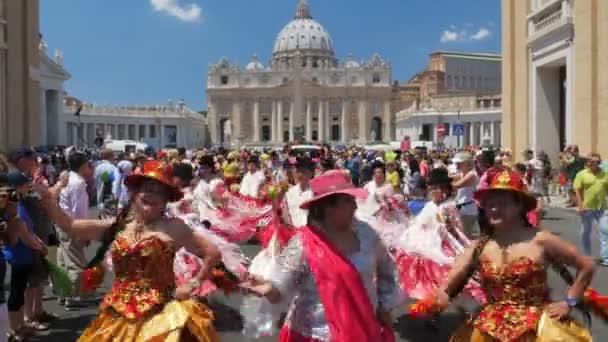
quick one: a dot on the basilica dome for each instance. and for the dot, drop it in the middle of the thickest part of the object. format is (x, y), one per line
(304, 35)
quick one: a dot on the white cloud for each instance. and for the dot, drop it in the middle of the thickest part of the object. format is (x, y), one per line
(455, 34)
(482, 34)
(450, 36)
(187, 13)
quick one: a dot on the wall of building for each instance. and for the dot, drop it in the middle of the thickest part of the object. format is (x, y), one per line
(588, 86)
(515, 64)
(20, 99)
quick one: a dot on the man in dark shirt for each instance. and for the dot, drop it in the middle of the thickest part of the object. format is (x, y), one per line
(24, 160)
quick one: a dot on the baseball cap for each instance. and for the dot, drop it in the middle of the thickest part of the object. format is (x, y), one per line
(16, 178)
(21, 153)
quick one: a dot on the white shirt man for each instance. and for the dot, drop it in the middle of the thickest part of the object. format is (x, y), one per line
(74, 198)
(294, 197)
(74, 201)
(252, 183)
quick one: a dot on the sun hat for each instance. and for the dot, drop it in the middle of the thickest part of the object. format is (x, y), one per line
(501, 180)
(155, 170)
(333, 183)
(462, 157)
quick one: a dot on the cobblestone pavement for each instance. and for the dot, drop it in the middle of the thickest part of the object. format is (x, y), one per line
(228, 320)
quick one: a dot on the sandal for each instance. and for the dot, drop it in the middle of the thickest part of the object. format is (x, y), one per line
(15, 336)
(46, 317)
(35, 325)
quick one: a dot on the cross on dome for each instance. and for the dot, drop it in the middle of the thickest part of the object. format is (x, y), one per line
(303, 10)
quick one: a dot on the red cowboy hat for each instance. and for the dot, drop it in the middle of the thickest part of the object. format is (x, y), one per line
(158, 171)
(332, 183)
(505, 180)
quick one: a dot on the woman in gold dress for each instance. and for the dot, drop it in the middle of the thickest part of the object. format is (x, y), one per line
(512, 259)
(143, 304)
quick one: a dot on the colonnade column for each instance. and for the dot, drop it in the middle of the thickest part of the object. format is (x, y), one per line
(256, 121)
(308, 124)
(344, 123)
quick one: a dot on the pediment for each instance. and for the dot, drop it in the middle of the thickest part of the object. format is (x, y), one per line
(50, 69)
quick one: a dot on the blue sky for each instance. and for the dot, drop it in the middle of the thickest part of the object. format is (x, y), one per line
(148, 51)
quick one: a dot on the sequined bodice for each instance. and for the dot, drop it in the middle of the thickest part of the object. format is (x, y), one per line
(144, 277)
(516, 295)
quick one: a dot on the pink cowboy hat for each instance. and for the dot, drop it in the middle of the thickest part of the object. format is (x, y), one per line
(332, 183)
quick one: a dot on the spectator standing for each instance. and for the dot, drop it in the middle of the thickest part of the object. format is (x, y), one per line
(22, 253)
(574, 164)
(106, 182)
(74, 201)
(24, 160)
(465, 183)
(591, 188)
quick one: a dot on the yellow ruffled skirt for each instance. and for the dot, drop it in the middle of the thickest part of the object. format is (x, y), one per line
(179, 321)
(548, 330)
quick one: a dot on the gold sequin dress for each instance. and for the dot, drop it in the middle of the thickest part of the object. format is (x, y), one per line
(140, 307)
(517, 293)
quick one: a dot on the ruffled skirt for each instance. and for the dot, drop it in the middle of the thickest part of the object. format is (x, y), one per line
(548, 330)
(179, 321)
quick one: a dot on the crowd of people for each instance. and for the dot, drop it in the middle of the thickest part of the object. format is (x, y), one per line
(347, 235)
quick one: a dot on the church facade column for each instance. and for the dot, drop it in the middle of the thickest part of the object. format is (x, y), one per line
(363, 132)
(328, 120)
(256, 121)
(308, 123)
(344, 123)
(291, 120)
(273, 122)
(320, 130)
(279, 136)
(471, 133)
(492, 134)
(388, 124)
(236, 119)
(214, 122)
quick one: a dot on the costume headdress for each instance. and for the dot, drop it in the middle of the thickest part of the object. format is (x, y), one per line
(158, 171)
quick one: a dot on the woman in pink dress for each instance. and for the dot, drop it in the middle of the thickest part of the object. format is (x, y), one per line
(427, 248)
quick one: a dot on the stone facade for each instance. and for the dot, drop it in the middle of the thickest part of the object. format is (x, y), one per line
(555, 83)
(304, 93)
(455, 88)
(166, 126)
(19, 74)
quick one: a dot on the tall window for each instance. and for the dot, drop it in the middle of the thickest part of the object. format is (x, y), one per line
(142, 132)
(152, 131)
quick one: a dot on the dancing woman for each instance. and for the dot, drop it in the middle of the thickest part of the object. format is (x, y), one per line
(512, 261)
(342, 277)
(141, 306)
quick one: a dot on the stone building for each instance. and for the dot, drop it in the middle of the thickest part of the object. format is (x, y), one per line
(305, 93)
(166, 126)
(19, 73)
(555, 80)
(455, 89)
